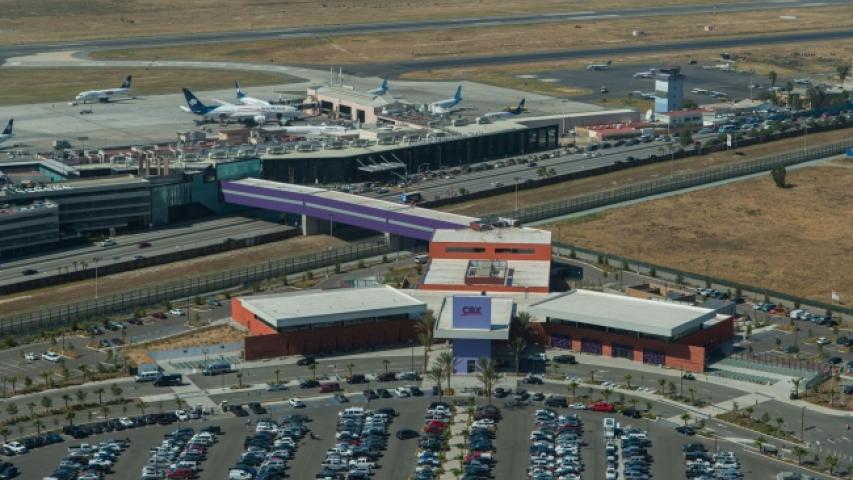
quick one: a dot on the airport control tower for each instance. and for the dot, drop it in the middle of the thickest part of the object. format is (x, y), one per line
(669, 89)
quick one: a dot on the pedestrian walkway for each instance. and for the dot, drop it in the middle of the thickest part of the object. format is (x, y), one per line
(454, 455)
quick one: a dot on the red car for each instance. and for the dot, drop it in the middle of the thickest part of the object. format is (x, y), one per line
(180, 473)
(433, 429)
(601, 407)
(158, 315)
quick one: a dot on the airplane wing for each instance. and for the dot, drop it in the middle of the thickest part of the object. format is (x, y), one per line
(222, 102)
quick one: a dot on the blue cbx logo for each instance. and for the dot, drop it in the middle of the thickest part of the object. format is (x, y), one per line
(468, 311)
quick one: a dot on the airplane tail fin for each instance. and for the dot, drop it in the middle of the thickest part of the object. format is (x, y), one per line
(126, 83)
(240, 92)
(384, 85)
(458, 94)
(520, 107)
(8, 129)
(194, 103)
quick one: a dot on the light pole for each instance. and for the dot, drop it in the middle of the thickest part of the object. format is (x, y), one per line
(412, 345)
(96, 260)
(515, 212)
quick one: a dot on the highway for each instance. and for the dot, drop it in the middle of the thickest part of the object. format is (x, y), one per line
(409, 26)
(162, 241)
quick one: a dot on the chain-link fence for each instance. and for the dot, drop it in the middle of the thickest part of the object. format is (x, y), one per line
(65, 315)
(673, 183)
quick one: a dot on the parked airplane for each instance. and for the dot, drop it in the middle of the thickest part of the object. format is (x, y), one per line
(446, 105)
(103, 96)
(381, 90)
(508, 113)
(7, 132)
(225, 112)
(599, 66)
(287, 112)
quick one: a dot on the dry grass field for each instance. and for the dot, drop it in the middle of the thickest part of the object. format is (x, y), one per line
(26, 21)
(122, 282)
(572, 188)
(37, 85)
(403, 46)
(193, 338)
(794, 240)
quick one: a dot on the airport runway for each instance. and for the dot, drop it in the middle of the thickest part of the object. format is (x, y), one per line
(365, 28)
(162, 241)
(601, 54)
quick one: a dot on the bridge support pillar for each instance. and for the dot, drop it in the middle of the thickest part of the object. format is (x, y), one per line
(313, 226)
(394, 242)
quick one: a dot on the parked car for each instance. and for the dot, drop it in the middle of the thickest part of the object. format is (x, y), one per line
(601, 407)
(51, 357)
(305, 361)
(177, 312)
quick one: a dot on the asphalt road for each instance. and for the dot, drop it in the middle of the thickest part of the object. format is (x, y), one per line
(380, 27)
(163, 240)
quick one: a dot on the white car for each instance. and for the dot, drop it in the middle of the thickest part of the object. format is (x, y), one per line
(178, 312)
(31, 356)
(16, 447)
(126, 422)
(51, 357)
(578, 406)
(823, 341)
(182, 415)
(296, 403)
(402, 392)
(239, 474)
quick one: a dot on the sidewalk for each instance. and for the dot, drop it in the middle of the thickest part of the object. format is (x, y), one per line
(452, 462)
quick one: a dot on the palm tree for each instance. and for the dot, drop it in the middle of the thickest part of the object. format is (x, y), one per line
(573, 386)
(685, 417)
(13, 380)
(46, 376)
(671, 389)
(628, 378)
(84, 371)
(140, 405)
(3, 381)
(518, 345)
(69, 415)
(100, 393)
(240, 378)
(106, 411)
(779, 422)
(799, 452)
(425, 328)
(592, 376)
(116, 391)
(649, 406)
(796, 381)
(692, 392)
(760, 441)
(772, 76)
(46, 403)
(66, 398)
(39, 425)
(447, 362)
(488, 375)
(32, 407)
(278, 374)
(386, 362)
(633, 401)
(81, 396)
(350, 366)
(5, 432)
(749, 410)
(12, 409)
(661, 384)
(426, 341)
(179, 402)
(312, 367)
(436, 375)
(734, 407)
(606, 393)
(521, 324)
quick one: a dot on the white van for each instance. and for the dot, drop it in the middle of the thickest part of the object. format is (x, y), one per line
(351, 412)
(147, 376)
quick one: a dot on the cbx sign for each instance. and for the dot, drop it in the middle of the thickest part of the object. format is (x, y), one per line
(472, 311)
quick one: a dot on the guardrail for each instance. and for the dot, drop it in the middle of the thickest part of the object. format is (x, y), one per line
(65, 315)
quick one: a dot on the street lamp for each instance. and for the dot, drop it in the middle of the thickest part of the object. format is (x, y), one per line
(412, 345)
(515, 212)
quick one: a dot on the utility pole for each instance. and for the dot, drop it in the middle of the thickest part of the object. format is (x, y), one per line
(96, 260)
(803, 424)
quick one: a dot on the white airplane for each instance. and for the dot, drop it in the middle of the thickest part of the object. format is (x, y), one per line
(599, 66)
(647, 74)
(287, 112)
(248, 114)
(508, 113)
(381, 90)
(7, 132)
(103, 96)
(446, 106)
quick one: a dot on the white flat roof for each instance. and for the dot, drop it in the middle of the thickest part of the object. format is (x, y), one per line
(295, 309)
(651, 317)
(526, 273)
(501, 317)
(494, 236)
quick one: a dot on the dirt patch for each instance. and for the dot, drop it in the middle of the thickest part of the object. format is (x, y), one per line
(63, 20)
(123, 282)
(38, 85)
(572, 188)
(194, 338)
(505, 39)
(794, 240)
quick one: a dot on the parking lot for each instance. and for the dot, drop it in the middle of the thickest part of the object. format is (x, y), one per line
(398, 462)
